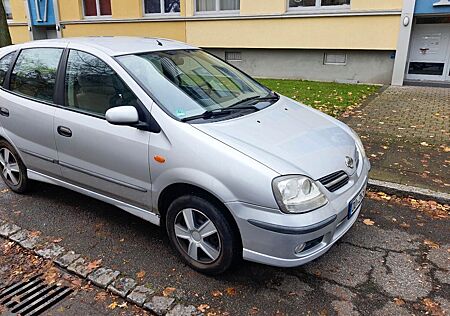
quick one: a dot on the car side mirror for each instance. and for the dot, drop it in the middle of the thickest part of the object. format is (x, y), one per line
(122, 115)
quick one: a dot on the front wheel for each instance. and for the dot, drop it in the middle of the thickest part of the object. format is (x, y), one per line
(12, 170)
(201, 233)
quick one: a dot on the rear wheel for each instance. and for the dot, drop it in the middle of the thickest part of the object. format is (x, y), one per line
(201, 233)
(12, 169)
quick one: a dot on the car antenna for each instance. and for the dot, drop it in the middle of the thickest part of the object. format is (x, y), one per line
(159, 43)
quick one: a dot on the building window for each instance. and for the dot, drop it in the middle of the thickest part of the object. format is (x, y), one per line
(335, 59)
(161, 6)
(217, 5)
(97, 8)
(317, 3)
(7, 5)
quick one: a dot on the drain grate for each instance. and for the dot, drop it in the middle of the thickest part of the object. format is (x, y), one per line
(32, 297)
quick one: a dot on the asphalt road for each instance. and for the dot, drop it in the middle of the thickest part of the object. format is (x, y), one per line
(400, 265)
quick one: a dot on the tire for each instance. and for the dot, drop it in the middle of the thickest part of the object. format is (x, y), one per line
(216, 251)
(12, 170)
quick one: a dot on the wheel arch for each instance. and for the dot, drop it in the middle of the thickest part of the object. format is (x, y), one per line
(173, 191)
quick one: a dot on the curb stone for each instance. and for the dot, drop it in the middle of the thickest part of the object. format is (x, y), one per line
(8, 229)
(80, 267)
(50, 251)
(159, 305)
(407, 190)
(67, 259)
(140, 295)
(103, 277)
(124, 287)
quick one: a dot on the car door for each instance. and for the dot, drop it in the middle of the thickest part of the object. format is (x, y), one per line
(27, 107)
(107, 159)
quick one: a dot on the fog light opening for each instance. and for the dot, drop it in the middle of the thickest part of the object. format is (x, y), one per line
(299, 248)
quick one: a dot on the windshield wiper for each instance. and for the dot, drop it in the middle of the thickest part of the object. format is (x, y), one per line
(255, 98)
(218, 112)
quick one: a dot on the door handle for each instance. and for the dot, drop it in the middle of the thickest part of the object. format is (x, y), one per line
(4, 112)
(64, 131)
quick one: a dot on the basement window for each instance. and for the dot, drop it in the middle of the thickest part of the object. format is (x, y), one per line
(335, 59)
(233, 56)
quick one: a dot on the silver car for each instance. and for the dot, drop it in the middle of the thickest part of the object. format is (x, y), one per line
(182, 139)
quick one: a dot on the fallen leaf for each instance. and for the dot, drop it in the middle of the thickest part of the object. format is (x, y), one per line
(432, 308)
(58, 240)
(113, 305)
(431, 244)
(446, 149)
(217, 293)
(140, 274)
(404, 225)
(254, 311)
(168, 291)
(368, 222)
(35, 233)
(203, 307)
(94, 264)
(231, 291)
(399, 301)
(101, 296)
(123, 305)
(424, 144)
(15, 299)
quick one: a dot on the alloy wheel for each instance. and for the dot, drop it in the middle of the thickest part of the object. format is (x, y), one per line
(9, 167)
(197, 235)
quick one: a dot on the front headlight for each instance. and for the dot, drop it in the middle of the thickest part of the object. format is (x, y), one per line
(359, 143)
(297, 194)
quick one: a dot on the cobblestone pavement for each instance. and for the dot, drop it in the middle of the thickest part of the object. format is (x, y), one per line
(400, 265)
(407, 134)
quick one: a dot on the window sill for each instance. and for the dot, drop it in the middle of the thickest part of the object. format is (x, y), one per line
(98, 17)
(161, 15)
(319, 10)
(213, 14)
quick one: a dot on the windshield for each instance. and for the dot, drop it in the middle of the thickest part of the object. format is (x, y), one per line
(188, 83)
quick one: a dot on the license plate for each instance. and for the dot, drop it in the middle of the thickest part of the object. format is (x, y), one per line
(356, 202)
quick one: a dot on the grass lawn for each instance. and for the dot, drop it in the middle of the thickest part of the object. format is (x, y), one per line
(329, 97)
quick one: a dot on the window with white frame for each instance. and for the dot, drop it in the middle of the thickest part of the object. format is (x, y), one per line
(7, 5)
(97, 8)
(317, 3)
(217, 5)
(161, 6)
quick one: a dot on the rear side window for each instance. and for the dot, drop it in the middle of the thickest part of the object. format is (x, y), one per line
(34, 73)
(94, 87)
(5, 63)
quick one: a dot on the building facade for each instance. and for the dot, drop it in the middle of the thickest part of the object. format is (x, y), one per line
(329, 40)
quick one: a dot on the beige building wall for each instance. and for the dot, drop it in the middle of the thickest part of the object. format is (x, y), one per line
(172, 30)
(345, 32)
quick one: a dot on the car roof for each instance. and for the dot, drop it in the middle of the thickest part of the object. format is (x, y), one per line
(116, 45)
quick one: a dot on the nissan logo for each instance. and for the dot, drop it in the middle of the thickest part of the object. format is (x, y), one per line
(349, 162)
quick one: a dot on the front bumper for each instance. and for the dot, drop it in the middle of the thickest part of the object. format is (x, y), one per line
(271, 237)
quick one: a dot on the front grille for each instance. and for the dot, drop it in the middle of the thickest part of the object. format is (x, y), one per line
(335, 181)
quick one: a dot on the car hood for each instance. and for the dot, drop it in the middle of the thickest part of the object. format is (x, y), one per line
(289, 138)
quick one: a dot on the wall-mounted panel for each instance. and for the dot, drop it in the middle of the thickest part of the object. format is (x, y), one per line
(41, 12)
(432, 7)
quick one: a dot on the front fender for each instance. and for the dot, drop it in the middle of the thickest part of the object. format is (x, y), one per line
(193, 177)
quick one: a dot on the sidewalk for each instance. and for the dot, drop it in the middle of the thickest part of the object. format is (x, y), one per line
(406, 132)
